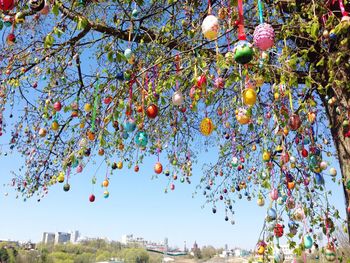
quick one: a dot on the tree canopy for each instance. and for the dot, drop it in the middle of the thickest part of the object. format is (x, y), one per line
(262, 84)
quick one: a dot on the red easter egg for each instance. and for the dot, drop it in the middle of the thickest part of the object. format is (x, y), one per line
(57, 106)
(278, 230)
(136, 168)
(294, 122)
(6, 5)
(107, 100)
(172, 186)
(304, 153)
(158, 168)
(92, 198)
(152, 111)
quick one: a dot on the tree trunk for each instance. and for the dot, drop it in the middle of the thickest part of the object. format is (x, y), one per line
(341, 142)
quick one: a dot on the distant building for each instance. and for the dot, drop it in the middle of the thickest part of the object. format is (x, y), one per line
(48, 238)
(62, 237)
(74, 236)
(288, 253)
(131, 240)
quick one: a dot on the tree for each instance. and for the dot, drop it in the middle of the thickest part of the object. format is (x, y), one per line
(4, 256)
(208, 252)
(147, 80)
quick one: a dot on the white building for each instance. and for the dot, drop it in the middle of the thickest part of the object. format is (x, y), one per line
(130, 239)
(74, 236)
(48, 238)
(62, 237)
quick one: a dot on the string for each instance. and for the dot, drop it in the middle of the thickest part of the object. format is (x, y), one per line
(96, 96)
(260, 12)
(241, 34)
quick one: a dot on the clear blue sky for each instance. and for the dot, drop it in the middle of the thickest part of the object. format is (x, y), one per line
(136, 205)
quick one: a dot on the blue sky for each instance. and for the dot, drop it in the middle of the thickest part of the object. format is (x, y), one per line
(137, 205)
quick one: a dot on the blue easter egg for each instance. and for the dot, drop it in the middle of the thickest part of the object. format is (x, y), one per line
(125, 135)
(141, 138)
(271, 213)
(130, 125)
(307, 241)
(120, 76)
(135, 12)
(319, 179)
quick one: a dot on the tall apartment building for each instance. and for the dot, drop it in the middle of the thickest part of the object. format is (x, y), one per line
(48, 238)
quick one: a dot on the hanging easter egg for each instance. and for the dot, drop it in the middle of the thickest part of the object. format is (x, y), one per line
(6, 5)
(128, 53)
(333, 171)
(298, 214)
(210, 27)
(260, 201)
(206, 126)
(294, 122)
(105, 183)
(261, 247)
(243, 52)
(329, 253)
(278, 230)
(177, 98)
(42, 132)
(46, 9)
(264, 36)
(60, 177)
(141, 139)
(172, 186)
(11, 39)
(105, 194)
(271, 214)
(36, 5)
(292, 225)
(152, 111)
(242, 116)
(66, 187)
(83, 143)
(278, 256)
(135, 13)
(274, 194)
(249, 96)
(308, 242)
(234, 161)
(57, 106)
(130, 125)
(19, 17)
(158, 168)
(266, 156)
(319, 179)
(79, 168)
(125, 135)
(219, 83)
(55, 126)
(92, 198)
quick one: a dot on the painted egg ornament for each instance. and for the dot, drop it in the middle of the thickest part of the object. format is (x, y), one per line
(66, 187)
(92, 198)
(298, 214)
(135, 13)
(172, 187)
(242, 116)
(152, 111)
(177, 98)
(274, 194)
(79, 168)
(105, 194)
(308, 242)
(141, 139)
(294, 122)
(42, 132)
(57, 106)
(243, 52)
(264, 36)
(55, 126)
(206, 126)
(278, 230)
(158, 168)
(219, 83)
(128, 53)
(261, 247)
(19, 17)
(11, 39)
(130, 125)
(105, 183)
(333, 171)
(210, 27)
(260, 201)
(6, 5)
(271, 214)
(249, 96)
(278, 256)
(46, 9)
(319, 179)
(329, 253)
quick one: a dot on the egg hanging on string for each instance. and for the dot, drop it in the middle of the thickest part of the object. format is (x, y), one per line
(264, 36)
(141, 139)
(6, 5)
(243, 52)
(210, 27)
(249, 96)
(177, 98)
(206, 126)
